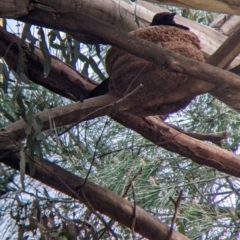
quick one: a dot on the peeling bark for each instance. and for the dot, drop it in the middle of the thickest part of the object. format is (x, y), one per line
(13, 8)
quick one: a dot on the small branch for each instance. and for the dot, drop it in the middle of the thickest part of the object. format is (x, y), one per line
(105, 110)
(134, 211)
(176, 206)
(123, 194)
(215, 138)
(76, 195)
(94, 154)
(226, 53)
(133, 180)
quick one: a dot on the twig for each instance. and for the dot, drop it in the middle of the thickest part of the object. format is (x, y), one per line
(5, 154)
(176, 206)
(94, 154)
(215, 138)
(127, 177)
(134, 207)
(134, 211)
(133, 180)
(87, 203)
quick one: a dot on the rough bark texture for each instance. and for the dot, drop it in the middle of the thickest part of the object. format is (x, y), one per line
(13, 8)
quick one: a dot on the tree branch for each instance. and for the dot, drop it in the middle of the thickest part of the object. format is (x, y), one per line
(164, 136)
(222, 6)
(102, 199)
(149, 51)
(199, 152)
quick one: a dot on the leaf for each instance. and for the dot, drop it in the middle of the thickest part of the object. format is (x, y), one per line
(65, 235)
(20, 104)
(46, 193)
(96, 69)
(30, 115)
(6, 114)
(51, 40)
(76, 51)
(31, 144)
(26, 34)
(85, 69)
(38, 149)
(98, 51)
(82, 57)
(16, 76)
(21, 63)
(180, 227)
(5, 75)
(135, 15)
(37, 125)
(46, 54)
(22, 166)
(23, 78)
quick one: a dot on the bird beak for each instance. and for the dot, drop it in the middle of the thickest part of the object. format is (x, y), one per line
(172, 15)
(176, 24)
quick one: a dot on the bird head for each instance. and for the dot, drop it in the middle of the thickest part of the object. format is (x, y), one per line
(166, 18)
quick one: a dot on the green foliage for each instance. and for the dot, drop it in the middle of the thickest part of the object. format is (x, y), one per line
(209, 208)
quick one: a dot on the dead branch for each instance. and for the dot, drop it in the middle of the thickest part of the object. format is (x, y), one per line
(215, 138)
(176, 207)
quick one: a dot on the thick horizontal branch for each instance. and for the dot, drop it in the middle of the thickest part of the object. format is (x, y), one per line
(12, 8)
(198, 156)
(146, 50)
(102, 199)
(73, 83)
(61, 116)
(143, 11)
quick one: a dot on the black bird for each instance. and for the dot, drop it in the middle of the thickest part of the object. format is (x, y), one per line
(164, 18)
(100, 89)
